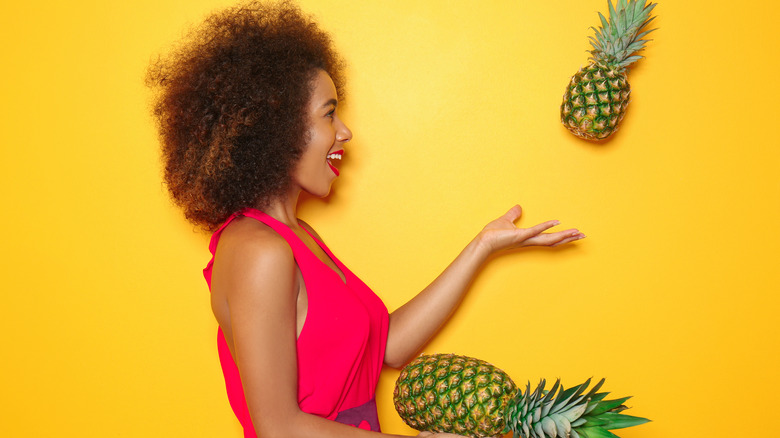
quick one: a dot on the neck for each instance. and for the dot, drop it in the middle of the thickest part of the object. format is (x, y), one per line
(285, 208)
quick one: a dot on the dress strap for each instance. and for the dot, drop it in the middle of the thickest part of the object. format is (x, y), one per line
(213, 248)
(283, 230)
(280, 228)
(295, 242)
(215, 236)
(301, 252)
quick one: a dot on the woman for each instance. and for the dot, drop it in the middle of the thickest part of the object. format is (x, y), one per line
(248, 114)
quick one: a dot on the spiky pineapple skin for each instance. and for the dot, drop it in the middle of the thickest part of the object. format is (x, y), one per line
(455, 394)
(595, 101)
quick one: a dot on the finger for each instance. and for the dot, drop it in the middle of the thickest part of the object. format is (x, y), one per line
(538, 229)
(551, 239)
(569, 239)
(513, 214)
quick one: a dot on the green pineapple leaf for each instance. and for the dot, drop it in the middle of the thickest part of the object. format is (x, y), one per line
(607, 405)
(595, 432)
(598, 421)
(595, 399)
(621, 421)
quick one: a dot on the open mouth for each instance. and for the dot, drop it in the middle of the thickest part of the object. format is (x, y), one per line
(334, 156)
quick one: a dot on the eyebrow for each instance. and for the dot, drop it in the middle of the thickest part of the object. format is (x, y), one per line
(333, 102)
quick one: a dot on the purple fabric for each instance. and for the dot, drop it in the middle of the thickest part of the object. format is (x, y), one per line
(364, 416)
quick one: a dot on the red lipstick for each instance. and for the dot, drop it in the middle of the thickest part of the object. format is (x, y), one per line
(339, 152)
(336, 171)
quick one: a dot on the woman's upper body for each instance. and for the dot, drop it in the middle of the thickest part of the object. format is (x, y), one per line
(341, 325)
(260, 300)
(248, 119)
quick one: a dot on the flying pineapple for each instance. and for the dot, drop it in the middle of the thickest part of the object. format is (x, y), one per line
(467, 396)
(597, 95)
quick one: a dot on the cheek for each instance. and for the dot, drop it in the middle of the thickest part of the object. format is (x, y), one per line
(313, 139)
(323, 135)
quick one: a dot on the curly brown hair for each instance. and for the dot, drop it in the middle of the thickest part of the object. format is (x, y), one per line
(230, 105)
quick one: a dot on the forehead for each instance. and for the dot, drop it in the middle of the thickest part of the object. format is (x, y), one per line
(323, 88)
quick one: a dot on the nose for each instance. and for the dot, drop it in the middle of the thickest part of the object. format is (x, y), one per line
(343, 134)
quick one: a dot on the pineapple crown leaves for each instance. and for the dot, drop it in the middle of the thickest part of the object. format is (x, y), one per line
(618, 38)
(567, 413)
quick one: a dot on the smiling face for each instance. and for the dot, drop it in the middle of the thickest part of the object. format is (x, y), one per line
(316, 169)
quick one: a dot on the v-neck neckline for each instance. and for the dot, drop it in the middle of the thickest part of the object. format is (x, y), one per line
(339, 271)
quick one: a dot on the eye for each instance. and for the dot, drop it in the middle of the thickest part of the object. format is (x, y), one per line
(330, 113)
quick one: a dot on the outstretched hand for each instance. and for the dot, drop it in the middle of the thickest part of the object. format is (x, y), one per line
(502, 233)
(413, 324)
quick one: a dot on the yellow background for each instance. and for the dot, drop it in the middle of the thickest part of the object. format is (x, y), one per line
(106, 327)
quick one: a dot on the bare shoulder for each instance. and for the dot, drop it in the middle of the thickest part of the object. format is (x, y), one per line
(248, 233)
(309, 229)
(249, 251)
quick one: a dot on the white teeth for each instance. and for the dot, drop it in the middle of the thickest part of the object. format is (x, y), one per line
(334, 156)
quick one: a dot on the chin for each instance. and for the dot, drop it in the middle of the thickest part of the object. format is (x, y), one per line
(323, 193)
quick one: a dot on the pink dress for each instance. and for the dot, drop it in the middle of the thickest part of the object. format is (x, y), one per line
(341, 346)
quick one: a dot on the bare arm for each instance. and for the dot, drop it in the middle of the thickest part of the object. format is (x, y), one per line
(255, 274)
(414, 323)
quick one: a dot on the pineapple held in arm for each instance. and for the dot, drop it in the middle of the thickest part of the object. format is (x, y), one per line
(597, 95)
(467, 396)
